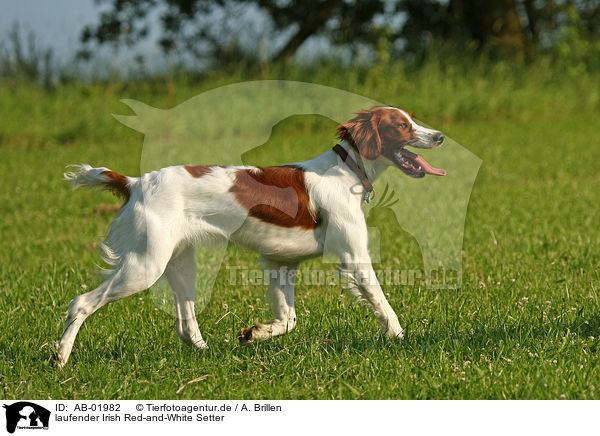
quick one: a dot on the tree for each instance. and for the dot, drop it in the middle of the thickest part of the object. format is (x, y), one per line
(190, 25)
(485, 22)
(218, 29)
(511, 26)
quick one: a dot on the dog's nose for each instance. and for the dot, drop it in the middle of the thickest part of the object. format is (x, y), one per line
(438, 138)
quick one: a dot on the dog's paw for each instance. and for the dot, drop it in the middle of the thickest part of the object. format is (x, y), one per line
(200, 345)
(249, 334)
(397, 334)
(245, 336)
(56, 359)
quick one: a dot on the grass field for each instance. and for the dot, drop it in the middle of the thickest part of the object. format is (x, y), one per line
(525, 324)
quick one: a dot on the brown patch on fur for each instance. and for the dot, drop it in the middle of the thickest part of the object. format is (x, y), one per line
(117, 183)
(276, 195)
(198, 170)
(371, 131)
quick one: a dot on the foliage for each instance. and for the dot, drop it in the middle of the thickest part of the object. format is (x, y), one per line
(442, 89)
(220, 30)
(217, 29)
(574, 44)
(22, 56)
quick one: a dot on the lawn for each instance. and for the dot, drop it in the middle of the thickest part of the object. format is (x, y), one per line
(525, 323)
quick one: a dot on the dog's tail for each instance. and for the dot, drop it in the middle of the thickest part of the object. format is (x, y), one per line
(85, 175)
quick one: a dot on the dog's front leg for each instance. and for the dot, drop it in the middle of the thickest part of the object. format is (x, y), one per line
(350, 242)
(360, 279)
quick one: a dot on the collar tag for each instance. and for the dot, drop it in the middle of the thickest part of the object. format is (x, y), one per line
(369, 190)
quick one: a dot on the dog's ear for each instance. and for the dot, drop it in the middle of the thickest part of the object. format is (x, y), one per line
(362, 133)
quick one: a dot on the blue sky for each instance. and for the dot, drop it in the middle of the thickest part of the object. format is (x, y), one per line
(56, 23)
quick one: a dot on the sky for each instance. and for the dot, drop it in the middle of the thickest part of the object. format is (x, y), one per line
(56, 23)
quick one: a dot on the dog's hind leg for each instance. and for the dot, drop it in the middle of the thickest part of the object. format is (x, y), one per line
(281, 278)
(137, 271)
(181, 274)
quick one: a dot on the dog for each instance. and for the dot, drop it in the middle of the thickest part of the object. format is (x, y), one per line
(286, 213)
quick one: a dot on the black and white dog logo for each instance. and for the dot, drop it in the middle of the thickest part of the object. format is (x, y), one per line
(26, 415)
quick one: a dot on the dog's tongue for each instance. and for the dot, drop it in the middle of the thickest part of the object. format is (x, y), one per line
(428, 168)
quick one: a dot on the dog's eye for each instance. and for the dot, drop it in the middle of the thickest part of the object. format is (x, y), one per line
(403, 125)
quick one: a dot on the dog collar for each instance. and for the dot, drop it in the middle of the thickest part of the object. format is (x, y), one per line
(347, 159)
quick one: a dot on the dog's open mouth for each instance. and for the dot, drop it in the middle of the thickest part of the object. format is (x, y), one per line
(414, 165)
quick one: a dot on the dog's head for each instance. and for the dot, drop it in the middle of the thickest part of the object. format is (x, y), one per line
(384, 132)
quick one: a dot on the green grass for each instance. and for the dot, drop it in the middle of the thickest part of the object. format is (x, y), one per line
(525, 324)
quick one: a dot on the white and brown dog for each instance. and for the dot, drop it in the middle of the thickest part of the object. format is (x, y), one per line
(286, 213)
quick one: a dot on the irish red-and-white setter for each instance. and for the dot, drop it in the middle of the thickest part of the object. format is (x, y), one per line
(286, 213)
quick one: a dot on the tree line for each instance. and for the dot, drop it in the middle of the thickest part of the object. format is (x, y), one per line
(220, 29)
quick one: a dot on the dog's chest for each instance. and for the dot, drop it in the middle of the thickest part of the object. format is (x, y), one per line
(276, 242)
